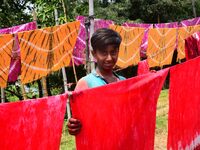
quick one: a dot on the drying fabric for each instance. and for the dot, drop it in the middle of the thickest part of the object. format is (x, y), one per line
(190, 22)
(6, 46)
(161, 45)
(143, 67)
(15, 65)
(166, 25)
(80, 46)
(184, 106)
(192, 46)
(32, 124)
(46, 50)
(183, 33)
(129, 51)
(122, 118)
(144, 44)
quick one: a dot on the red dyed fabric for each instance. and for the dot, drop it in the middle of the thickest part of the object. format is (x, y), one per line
(143, 67)
(32, 124)
(184, 106)
(192, 46)
(118, 116)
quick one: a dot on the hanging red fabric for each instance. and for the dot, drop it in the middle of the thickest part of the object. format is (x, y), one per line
(32, 124)
(119, 115)
(184, 106)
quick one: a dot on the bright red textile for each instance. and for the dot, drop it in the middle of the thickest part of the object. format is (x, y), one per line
(143, 67)
(118, 116)
(32, 124)
(184, 106)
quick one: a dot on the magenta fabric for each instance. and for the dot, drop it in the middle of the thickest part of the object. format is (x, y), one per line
(166, 25)
(184, 106)
(192, 46)
(190, 22)
(80, 46)
(15, 65)
(119, 115)
(145, 38)
(143, 67)
(32, 124)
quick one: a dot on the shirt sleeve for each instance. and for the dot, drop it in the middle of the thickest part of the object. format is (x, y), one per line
(81, 85)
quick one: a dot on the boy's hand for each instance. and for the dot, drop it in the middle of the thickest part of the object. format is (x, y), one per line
(74, 126)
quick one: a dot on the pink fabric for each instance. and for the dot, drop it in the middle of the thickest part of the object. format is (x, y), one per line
(15, 65)
(145, 38)
(190, 22)
(166, 25)
(80, 46)
(192, 46)
(184, 106)
(143, 67)
(123, 118)
(32, 124)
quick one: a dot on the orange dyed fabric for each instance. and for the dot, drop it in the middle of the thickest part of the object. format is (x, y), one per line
(129, 53)
(46, 50)
(161, 45)
(183, 33)
(6, 46)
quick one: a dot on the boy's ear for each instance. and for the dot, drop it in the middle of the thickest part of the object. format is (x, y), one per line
(93, 53)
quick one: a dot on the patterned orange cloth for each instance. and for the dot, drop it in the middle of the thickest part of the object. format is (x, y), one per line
(46, 50)
(183, 33)
(6, 46)
(129, 53)
(161, 45)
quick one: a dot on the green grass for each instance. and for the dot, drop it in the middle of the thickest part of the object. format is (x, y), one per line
(68, 142)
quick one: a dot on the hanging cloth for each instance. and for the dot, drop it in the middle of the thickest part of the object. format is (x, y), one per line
(161, 45)
(6, 46)
(122, 118)
(46, 50)
(184, 106)
(129, 51)
(183, 33)
(190, 22)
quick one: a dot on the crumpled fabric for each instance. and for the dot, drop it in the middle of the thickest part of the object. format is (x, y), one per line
(123, 118)
(184, 106)
(15, 66)
(192, 46)
(190, 22)
(34, 124)
(143, 67)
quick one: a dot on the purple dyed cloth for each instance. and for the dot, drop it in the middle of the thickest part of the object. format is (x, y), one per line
(143, 47)
(190, 22)
(15, 65)
(80, 46)
(166, 25)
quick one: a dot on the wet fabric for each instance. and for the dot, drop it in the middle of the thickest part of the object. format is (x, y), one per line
(161, 46)
(129, 51)
(145, 38)
(119, 115)
(190, 22)
(184, 106)
(143, 67)
(192, 46)
(183, 33)
(15, 65)
(32, 124)
(6, 46)
(46, 50)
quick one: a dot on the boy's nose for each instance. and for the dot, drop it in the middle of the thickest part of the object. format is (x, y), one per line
(109, 57)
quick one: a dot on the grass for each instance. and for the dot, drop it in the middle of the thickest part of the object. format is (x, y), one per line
(68, 142)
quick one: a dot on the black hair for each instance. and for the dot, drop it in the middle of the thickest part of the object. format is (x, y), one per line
(104, 37)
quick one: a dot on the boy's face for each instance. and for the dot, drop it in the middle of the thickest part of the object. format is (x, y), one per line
(106, 58)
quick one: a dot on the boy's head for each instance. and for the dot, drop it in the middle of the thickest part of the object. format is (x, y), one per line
(104, 37)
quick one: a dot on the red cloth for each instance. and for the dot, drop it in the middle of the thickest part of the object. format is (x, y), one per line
(192, 46)
(143, 67)
(184, 106)
(119, 115)
(32, 124)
